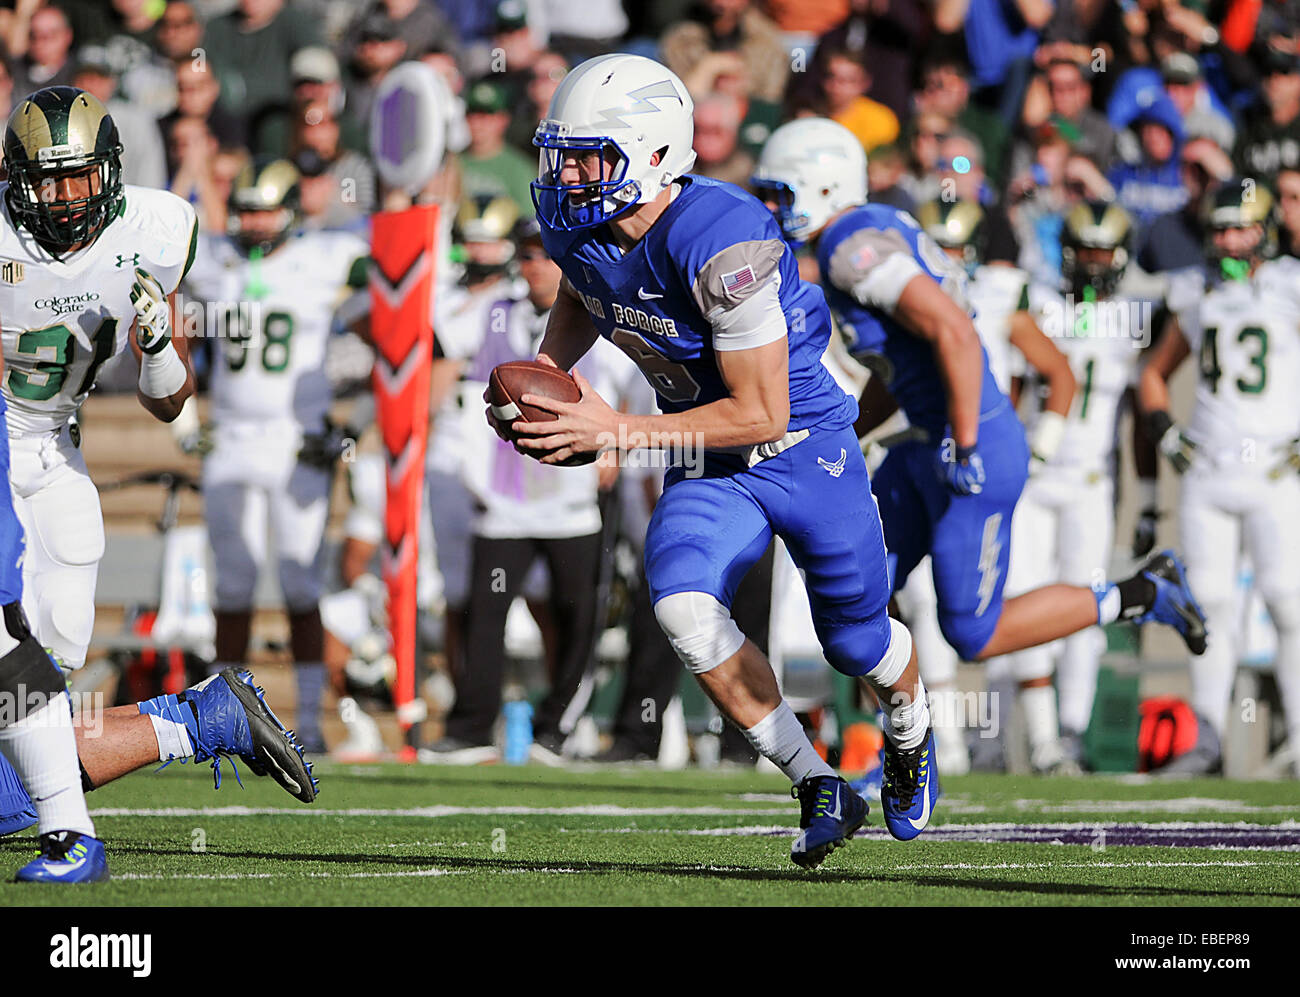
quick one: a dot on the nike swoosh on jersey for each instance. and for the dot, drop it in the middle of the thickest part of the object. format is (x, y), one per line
(645, 295)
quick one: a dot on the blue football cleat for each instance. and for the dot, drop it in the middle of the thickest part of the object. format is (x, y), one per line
(1174, 603)
(910, 789)
(830, 813)
(16, 812)
(234, 720)
(66, 857)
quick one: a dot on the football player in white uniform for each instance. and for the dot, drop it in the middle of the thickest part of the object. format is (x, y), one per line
(1064, 526)
(276, 293)
(1239, 453)
(88, 267)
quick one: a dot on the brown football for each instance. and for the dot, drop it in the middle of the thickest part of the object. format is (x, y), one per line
(509, 382)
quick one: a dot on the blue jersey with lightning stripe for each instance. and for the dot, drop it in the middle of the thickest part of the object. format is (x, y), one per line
(867, 257)
(707, 255)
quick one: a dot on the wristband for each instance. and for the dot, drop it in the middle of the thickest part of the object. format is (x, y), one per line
(163, 373)
(1048, 435)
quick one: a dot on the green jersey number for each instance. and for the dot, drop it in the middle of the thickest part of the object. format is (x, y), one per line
(53, 351)
(1211, 371)
(276, 332)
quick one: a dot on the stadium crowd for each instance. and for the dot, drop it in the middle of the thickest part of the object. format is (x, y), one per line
(1026, 108)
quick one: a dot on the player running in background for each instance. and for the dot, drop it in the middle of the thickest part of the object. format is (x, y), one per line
(953, 494)
(1239, 454)
(1064, 527)
(691, 278)
(277, 292)
(998, 292)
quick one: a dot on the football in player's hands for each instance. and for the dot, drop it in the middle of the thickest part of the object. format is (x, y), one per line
(509, 382)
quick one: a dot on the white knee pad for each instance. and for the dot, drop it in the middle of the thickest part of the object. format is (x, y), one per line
(699, 628)
(890, 668)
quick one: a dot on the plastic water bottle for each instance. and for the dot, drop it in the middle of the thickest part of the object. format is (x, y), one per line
(519, 731)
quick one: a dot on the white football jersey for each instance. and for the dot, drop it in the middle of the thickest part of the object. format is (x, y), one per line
(272, 318)
(996, 293)
(1103, 341)
(62, 319)
(1246, 337)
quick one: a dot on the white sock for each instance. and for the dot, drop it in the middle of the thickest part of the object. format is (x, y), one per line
(779, 737)
(1038, 704)
(1214, 671)
(173, 738)
(906, 721)
(42, 748)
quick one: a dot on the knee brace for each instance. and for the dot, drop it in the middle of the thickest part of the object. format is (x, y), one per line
(27, 675)
(699, 628)
(889, 669)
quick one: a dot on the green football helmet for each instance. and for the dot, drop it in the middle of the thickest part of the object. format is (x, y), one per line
(1099, 225)
(52, 134)
(1241, 204)
(954, 225)
(266, 184)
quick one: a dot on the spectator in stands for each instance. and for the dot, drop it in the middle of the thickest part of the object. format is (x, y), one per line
(920, 182)
(1000, 38)
(1176, 240)
(197, 98)
(48, 61)
(251, 48)
(581, 31)
(945, 89)
(547, 71)
(887, 35)
(717, 137)
(6, 89)
(514, 51)
(193, 148)
(379, 48)
(1037, 201)
(731, 25)
(15, 27)
(1062, 96)
(885, 171)
(179, 31)
(489, 166)
(143, 159)
(419, 23)
(1269, 138)
(961, 169)
(1287, 184)
(843, 100)
(342, 180)
(1185, 85)
(1152, 185)
(317, 94)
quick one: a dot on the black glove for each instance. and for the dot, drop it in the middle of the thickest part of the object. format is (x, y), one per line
(324, 448)
(1171, 441)
(1144, 534)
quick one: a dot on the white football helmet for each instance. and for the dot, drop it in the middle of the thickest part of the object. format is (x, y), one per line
(625, 108)
(812, 168)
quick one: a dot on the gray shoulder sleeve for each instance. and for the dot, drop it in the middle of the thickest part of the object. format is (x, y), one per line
(873, 265)
(731, 276)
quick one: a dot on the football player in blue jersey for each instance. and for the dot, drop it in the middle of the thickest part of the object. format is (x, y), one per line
(951, 494)
(692, 278)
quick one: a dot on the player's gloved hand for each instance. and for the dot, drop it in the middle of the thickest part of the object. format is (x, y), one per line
(1171, 440)
(962, 468)
(324, 448)
(153, 331)
(1290, 461)
(1144, 534)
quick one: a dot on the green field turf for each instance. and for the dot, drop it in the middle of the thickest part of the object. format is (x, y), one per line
(392, 834)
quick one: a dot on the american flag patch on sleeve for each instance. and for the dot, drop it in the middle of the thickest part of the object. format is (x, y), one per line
(737, 279)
